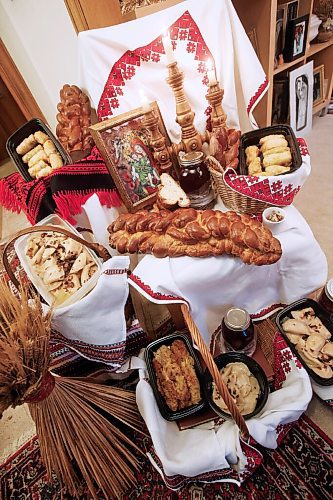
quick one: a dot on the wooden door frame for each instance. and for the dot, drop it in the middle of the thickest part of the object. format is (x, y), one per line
(16, 85)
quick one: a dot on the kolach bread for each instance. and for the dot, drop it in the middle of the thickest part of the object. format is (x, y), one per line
(195, 233)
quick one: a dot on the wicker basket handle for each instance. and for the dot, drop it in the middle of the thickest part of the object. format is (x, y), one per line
(99, 249)
(215, 165)
(208, 358)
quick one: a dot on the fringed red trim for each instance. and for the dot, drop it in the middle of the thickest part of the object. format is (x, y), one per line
(8, 198)
(70, 203)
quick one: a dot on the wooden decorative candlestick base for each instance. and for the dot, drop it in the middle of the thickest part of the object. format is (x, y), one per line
(214, 96)
(191, 139)
(157, 141)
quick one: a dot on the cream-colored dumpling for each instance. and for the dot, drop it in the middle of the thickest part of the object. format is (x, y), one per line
(314, 344)
(79, 263)
(295, 326)
(53, 273)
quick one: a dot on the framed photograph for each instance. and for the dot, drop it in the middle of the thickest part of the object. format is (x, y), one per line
(318, 85)
(301, 98)
(279, 32)
(285, 12)
(296, 36)
(124, 144)
(252, 34)
(280, 102)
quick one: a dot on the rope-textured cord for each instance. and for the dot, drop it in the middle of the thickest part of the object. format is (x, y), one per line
(208, 358)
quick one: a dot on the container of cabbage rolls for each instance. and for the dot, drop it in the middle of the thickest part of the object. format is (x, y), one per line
(32, 126)
(182, 393)
(316, 354)
(246, 382)
(253, 138)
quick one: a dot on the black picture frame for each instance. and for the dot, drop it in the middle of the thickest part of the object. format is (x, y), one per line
(280, 102)
(296, 38)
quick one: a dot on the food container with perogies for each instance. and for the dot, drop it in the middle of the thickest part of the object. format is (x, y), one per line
(248, 391)
(302, 324)
(254, 137)
(187, 382)
(43, 289)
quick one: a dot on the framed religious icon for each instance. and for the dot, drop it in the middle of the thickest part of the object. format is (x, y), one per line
(296, 36)
(124, 143)
(318, 85)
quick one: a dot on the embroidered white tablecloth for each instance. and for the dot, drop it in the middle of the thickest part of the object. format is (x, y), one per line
(212, 284)
(119, 61)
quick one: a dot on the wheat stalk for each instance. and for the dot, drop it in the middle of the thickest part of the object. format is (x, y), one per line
(76, 440)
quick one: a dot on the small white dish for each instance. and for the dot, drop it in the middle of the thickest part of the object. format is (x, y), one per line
(270, 216)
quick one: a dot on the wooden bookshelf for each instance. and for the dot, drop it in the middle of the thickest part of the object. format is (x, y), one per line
(262, 17)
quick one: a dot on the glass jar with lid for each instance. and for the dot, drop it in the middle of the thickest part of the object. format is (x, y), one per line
(326, 297)
(195, 180)
(238, 332)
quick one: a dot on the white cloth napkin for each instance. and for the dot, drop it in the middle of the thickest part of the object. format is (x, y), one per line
(195, 451)
(128, 57)
(95, 326)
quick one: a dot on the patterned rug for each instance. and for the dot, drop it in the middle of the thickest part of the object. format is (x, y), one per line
(301, 468)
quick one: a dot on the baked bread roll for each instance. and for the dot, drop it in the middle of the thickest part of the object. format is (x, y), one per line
(276, 142)
(195, 233)
(43, 172)
(49, 147)
(277, 159)
(41, 155)
(276, 150)
(254, 167)
(26, 145)
(41, 137)
(276, 170)
(269, 137)
(40, 165)
(56, 160)
(31, 153)
(252, 152)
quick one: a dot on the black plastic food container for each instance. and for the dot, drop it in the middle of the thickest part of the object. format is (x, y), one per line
(252, 139)
(149, 356)
(22, 133)
(235, 357)
(322, 315)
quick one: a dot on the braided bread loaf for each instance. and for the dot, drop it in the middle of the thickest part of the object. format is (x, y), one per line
(195, 233)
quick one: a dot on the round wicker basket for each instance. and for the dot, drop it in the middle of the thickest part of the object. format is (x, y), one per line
(231, 199)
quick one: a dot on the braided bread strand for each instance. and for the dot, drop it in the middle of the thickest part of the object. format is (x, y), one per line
(195, 233)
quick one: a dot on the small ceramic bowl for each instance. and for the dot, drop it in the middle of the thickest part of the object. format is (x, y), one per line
(274, 218)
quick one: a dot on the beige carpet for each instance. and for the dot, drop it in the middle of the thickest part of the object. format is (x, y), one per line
(315, 202)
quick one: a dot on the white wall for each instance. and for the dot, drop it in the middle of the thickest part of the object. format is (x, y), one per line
(41, 40)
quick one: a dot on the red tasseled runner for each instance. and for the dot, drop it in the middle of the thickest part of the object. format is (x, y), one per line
(64, 191)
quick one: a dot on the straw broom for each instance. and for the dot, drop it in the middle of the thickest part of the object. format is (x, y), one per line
(73, 435)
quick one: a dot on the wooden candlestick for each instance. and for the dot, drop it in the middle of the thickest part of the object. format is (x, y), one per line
(191, 139)
(214, 96)
(157, 141)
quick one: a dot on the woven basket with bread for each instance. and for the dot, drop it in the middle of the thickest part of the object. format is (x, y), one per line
(268, 152)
